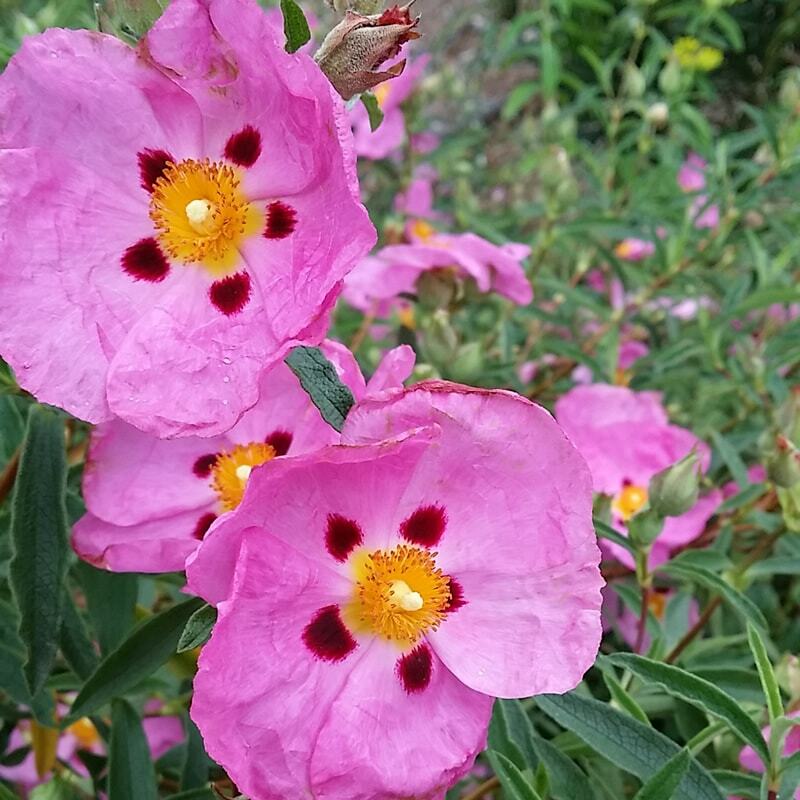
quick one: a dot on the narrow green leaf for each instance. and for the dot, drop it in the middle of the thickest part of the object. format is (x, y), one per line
(111, 600)
(766, 673)
(295, 26)
(194, 772)
(732, 459)
(318, 378)
(142, 653)
(664, 783)
(131, 775)
(198, 628)
(39, 535)
(738, 602)
(738, 783)
(374, 111)
(567, 780)
(200, 793)
(698, 692)
(128, 19)
(605, 531)
(622, 697)
(75, 643)
(626, 742)
(7, 794)
(515, 785)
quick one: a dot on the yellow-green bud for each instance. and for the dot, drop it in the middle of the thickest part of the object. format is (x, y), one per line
(674, 490)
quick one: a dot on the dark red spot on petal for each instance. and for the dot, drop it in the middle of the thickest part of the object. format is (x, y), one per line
(230, 295)
(152, 164)
(244, 148)
(341, 536)
(327, 637)
(203, 524)
(144, 261)
(203, 466)
(425, 526)
(456, 596)
(414, 669)
(280, 441)
(281, 220)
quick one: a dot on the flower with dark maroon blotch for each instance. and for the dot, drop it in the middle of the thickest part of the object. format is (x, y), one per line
(182, 214)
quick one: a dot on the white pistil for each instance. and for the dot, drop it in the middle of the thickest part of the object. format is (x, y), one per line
(243, 472)
(404, 597)
(199, 213)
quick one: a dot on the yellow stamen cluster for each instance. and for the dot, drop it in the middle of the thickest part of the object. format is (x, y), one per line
(400, 594)
(201, 214)
(85, 732)
(629, 501)
(232, 469)
(422, 230)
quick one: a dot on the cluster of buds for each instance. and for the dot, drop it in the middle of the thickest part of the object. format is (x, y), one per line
(354, 50)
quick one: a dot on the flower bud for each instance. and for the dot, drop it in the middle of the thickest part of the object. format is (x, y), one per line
(437, 288)
(657, 114)
(783, 464)
(440, 340)
(633, 81)
(645, 526)
(469, 363)
(674, 490)
(359, 44)
(669, 80)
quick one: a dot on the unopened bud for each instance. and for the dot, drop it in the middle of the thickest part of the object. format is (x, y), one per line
(645, 526)
(354, 50)
(439, 339)
(469, 363)
(669, 79)
(633, 81)
(658, 114)
(783, 464)
(674, 490)
(437, 288)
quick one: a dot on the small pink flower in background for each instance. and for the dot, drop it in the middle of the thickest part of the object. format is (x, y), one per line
(630, 351)
(391, 133)
(417, 199)
(447, 557)
(755, 474)
(626, 438)
(632, 249)
(425, 142)
(184, 214)
(704, 216)
(395, 269)
(692, 174)
(162, 733)
(151, 501)
(791, 745)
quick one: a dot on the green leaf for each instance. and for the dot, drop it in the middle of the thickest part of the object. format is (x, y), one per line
(567, 781)
(663, 784)
(517, 99)
(738, 602)
(738, 783)
(766, 673)
(605, 531)
(128, 19)
(295, 26)
(374, 111)
(198, 628)
(517, 729)
(318, 378)
(696, 691)
(622, 697)
(142, 653)
(515, 785)
(194, 772)
(39, 535)
(732, 459)
(199, 793)
(626, 742)
(111, 600)
(7, 794)
(131, 775)
(76, 645)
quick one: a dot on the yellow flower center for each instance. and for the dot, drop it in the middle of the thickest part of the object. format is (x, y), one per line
(201, 214)
(657, 602)
(231, 470)
(85, 732)
(623, 249)
(422, 230)
(381, 92)
(629, 501)
(400, 594)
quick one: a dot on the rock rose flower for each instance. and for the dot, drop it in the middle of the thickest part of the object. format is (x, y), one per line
(151, 501)
(182, 215)
(626, 438)
(373, 598)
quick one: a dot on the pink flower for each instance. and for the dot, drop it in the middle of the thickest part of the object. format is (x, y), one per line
(791, 745)
(632, 249)
(692, 174)
(755, 474)
(417, 199)
(395, 268)
(162, 733)
(151, 501)
(626, 438)
(704, 216)
(390, 95)
(183, 214)
(373, 598)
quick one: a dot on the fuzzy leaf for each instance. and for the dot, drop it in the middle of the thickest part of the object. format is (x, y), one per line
(198, 628)
(131, 775)
(515, 785)
(295, 26)
(374, 111)
(663, 784)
